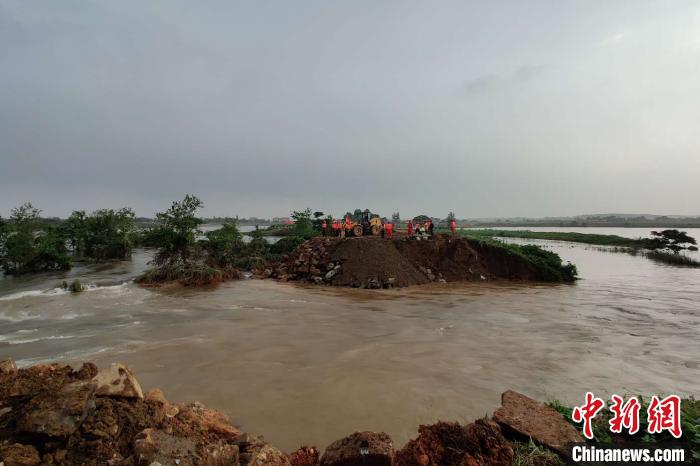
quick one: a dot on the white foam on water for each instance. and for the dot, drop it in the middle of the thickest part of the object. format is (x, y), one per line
(11, 341)
(20, 317)
(61, 291)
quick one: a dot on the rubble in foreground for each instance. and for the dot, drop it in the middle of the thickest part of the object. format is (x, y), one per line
(54, 415)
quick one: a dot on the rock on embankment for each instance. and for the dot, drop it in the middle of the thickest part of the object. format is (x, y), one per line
(372, 262)
(54, 415)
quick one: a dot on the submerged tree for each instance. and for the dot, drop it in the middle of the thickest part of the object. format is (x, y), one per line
(27, 247)
(104, 234)
(673, 239)
(177, 231)
(224, 246)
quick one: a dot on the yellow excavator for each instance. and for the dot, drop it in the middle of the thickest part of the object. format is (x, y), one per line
(366, 225)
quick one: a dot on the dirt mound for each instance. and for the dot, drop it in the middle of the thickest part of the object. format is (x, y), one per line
(465, 259)
(367, 262)
(372, 262)
(451, 444)
(375, 263)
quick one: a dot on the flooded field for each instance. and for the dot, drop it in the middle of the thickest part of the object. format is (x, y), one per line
(310, 364)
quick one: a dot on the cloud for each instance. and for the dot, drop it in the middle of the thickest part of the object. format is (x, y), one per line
(491, 82)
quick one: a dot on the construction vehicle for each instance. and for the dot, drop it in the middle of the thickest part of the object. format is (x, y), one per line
(366, 225)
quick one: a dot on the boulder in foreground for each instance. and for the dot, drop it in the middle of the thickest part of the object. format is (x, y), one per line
(451, 444)
(527, 418)
(360, 448)
(117, 380)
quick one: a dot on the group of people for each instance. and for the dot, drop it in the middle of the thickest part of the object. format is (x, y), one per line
(419, 229)
(341, 228)
(338, 227)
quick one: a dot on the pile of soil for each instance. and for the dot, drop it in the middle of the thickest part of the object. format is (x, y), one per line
(478, 443)
(53, 415)
(373, 262)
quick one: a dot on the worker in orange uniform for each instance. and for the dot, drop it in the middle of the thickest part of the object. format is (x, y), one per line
(409, 228)
(389, 227)
(453, 225)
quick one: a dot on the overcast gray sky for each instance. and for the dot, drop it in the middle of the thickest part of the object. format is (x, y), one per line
(505, 108)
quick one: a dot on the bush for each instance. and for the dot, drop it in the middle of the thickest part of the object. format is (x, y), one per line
(76, 286)
(548, 264)
(690, 425)
(286, 245)
(672, 258)
(187, 275)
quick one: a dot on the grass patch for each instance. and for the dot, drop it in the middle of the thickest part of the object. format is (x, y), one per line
(587, 238)
(187, 275)
(672, 259)
(690, 425)
(530, 454)
(549, 265)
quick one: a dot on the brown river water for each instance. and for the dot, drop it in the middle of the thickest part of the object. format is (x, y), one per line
(312, 364)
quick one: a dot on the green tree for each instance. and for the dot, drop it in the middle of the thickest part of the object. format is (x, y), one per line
(224, 246)
(303, 225)
(29, 248)
(109, 234)
(177, 232)
(76, 231)
(317, 221)
(258, 246)
(451, 216)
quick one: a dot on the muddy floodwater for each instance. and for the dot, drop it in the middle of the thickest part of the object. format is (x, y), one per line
(312, 364)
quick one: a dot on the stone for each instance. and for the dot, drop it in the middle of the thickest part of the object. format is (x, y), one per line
(17, 454)
(318, 280)
(329, 276)
(366, 448)
(117, 381)
(7, 366)
(58, 414)
(525, 418)
(208, 420)
(304, 456)
(154, 446)
(477, 444)
(254, 451)
(155, 396)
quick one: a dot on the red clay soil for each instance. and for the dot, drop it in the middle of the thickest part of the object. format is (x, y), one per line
(451, 444)
(373, 262)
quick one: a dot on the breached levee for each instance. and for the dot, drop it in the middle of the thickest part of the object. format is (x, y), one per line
(54, 415)
(372, 262)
